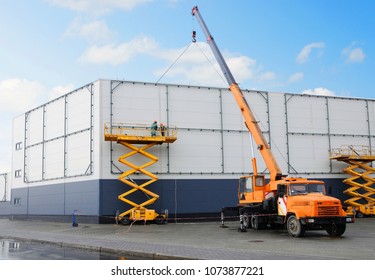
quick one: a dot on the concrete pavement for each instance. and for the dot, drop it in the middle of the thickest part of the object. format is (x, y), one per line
(201, 240)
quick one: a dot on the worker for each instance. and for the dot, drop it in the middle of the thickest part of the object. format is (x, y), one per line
(162, 129)
(154, 127)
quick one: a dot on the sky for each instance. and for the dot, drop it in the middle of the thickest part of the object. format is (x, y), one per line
(51, 47)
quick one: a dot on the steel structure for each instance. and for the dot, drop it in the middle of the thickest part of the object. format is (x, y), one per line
(361, 190)
(138, 139)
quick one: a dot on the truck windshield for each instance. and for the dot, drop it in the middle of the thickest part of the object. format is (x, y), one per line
(298, 189)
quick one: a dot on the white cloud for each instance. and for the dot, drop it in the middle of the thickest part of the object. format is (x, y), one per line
(116, 54)
(296, 77)
(19, 95)
(98, 7)
(354, 55)
(319, 91)
(304, 54)
(198, 66)
(93, 31)
(60, 90)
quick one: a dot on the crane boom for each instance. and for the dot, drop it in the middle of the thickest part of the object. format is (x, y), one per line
(250, 120)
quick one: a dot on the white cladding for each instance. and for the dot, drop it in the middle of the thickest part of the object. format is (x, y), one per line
(63, 140)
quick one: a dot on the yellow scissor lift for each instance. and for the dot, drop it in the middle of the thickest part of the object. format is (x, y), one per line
(138, 139)
(361, 183)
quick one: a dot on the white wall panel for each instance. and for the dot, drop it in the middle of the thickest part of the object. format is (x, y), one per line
(78, 153)
(347, 116)
(309, 153)
(78, 110)
(237, 152)
(371, 109)
(34, 163)
(4, 187)
(194, 107)
(196, 151)
(307, 114)
(54, 159)
(138, 103)
(54, 119)
(34, 126)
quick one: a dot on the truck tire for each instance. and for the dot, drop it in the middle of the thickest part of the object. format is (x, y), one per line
(125, 221)
(336, 229)
(256, 224)
(294, 226)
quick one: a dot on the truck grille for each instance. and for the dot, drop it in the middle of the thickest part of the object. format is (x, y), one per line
(328, 211)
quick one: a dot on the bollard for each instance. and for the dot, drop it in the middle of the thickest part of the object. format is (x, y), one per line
(74, 219)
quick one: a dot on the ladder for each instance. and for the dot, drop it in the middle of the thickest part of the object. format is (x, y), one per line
(361, 189)
(138, 139)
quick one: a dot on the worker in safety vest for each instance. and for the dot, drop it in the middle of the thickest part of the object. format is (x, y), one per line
(154, 127)
(162, 129)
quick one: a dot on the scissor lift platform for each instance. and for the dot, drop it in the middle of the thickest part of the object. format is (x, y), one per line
(137, 138)
(361, 190)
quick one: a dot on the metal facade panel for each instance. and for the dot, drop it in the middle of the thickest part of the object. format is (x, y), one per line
(4, 187)
(78, 154)
(309, 154)
(54, 119)
(371, 115)
(54, 159)
(194, 107)
(78, 110)
(348, 116)
(34, 126)
(138, 103)
(196, 151)
(237, 152)
(34, 163)
(307, 114)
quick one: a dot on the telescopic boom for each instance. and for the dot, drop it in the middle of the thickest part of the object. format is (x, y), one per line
(250, 121)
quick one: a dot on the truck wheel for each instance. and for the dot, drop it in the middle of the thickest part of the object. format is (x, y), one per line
(255, 224)
(246, 221)
(336, 229)
(159, 220)
(294, 226)
(125, 221)
(359, 214)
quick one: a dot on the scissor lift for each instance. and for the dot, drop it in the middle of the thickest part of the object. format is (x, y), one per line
(138, 139)
(362, 178)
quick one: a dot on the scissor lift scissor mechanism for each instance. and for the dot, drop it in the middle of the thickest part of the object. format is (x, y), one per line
(138, 139)
(361, 182)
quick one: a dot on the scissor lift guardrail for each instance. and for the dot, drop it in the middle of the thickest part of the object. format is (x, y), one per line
(361, 190)
(138, 139)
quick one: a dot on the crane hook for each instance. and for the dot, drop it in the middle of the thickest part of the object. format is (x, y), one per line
(194, 35)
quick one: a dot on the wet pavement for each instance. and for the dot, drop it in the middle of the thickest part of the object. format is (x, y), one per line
(22, 250)
(202, 240)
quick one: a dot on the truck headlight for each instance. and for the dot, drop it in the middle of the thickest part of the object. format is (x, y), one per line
(310, 220)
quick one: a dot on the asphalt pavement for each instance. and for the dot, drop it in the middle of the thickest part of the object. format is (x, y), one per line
(201, 240)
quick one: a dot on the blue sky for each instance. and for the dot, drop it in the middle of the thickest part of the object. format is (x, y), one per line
(50, 47)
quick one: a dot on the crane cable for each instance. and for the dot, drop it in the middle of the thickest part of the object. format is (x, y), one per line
(169, 68)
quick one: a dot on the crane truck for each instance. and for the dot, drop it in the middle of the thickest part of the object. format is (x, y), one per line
(300, 204)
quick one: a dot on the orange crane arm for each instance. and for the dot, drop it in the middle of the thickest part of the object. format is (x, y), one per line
(250, 121)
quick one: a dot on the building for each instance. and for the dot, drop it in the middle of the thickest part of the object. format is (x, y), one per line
(61, 162)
